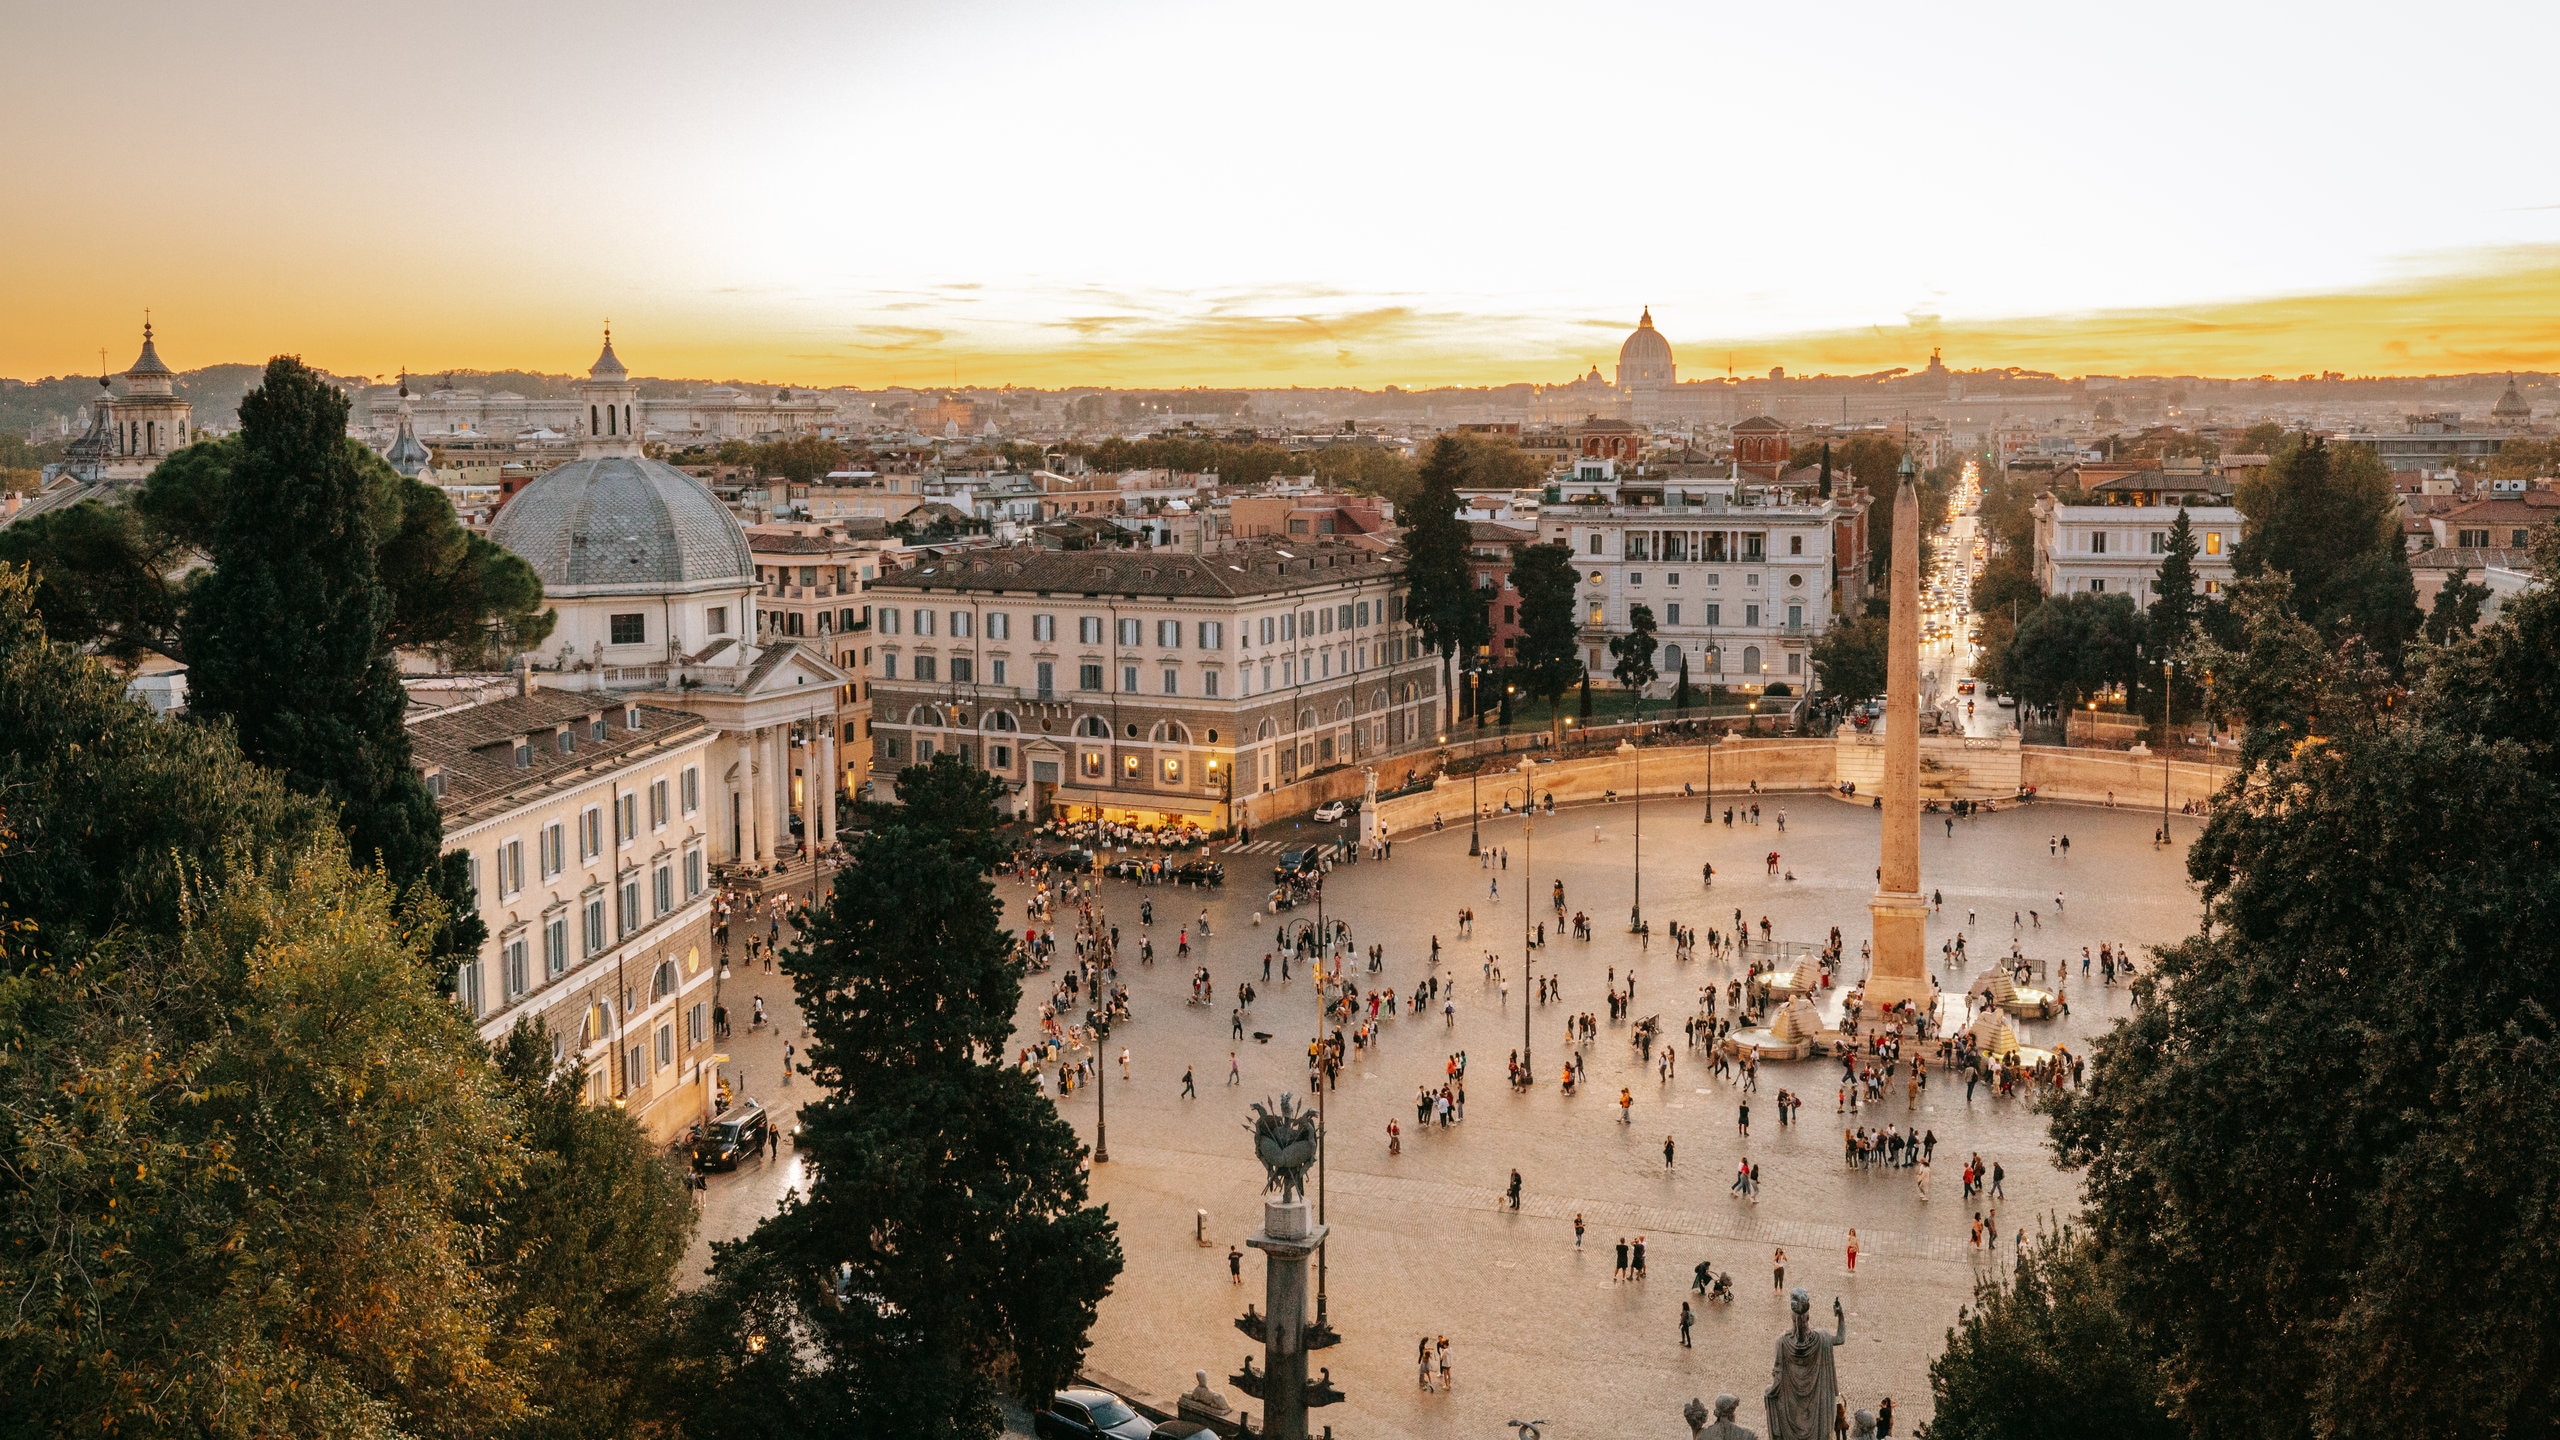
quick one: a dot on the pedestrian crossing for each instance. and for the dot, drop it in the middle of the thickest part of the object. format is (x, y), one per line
(1258, 847)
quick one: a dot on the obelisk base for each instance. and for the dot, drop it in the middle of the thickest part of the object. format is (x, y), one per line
(1898, 967)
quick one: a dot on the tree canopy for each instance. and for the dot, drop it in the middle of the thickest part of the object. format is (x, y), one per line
(1849, 658)
(287, 639)
(119, 578)
(261, 1176)
(1440, 594)
(2323, 1156)
(1634, 652)
(945, 1237)
(2072, 646)
(2326, 520)
(1549, 658)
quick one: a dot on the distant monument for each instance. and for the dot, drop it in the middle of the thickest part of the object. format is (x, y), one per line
(1284, 1139)
(1899, 967)
(1803, 1386)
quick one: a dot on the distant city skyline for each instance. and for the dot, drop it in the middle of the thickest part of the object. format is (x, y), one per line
(1149, 196)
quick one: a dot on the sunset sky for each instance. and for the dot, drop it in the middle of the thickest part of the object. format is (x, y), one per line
(1141, 194)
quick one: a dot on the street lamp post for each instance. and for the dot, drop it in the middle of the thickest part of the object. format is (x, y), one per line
(1635, 764)
(1100, 1016)
(2168, 700)
(1528, 987)
(1475, 811)
(1324, 1054)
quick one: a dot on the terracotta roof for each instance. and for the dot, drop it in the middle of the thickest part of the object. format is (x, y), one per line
(1254, 570)
(475, 747)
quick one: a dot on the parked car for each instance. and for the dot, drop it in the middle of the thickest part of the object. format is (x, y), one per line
(1075, 859)
(2005, 702)
(1083, 1414)
(1200, 872)
(733, 1137)
(1331, 812)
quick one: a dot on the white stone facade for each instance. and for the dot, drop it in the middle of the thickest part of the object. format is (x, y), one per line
(2117, 549)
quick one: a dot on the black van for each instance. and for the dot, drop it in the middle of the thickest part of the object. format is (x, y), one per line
(738, 1135)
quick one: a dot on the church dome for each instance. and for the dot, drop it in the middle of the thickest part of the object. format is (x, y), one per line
(2512, 405)
(1646, 357)
(621, 523)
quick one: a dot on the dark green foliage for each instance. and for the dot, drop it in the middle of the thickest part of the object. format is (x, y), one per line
(2072, 646)
(2457, 609)
(106, 573)
(943, 1178)
(1634, 652)
(286, 638)
(1849, 658)
(249, 1150)
(1440, 594)
(110, 576)
(2327, 521)
(111, 807)
(588, 1239)
(949, 797)
(1682, 697)
(2321, 1155)
(2044, 1354)
(1549, 658)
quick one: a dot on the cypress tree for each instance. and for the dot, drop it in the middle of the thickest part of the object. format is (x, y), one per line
(285, 638)
(946, 1237)
(1440, 594)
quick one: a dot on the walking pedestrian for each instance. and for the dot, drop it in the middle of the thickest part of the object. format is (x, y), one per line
(1666, 1152)
(1577, 1229)
(1235, 1266)
(1685, 1319)
(1778, 1270)
(1853, 1250)
(1639, 1256)
(1189, 1092)
(1620, 1272)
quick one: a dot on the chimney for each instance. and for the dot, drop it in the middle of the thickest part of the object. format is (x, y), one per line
(525, 683)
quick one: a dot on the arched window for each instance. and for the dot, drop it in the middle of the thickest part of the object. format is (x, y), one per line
(1306, 719)
(598, 1023)
(1670, 660)
(1171, 732)
(1266, 730)
(999, 720)
(1342, 712)
(1092, 727)
(1378, 701)
(1750, 659)
(662, 983)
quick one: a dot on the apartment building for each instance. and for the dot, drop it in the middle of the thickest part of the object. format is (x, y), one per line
(1741, 574)
(586, 821)
(811, 583)
(2114, 544)
(1149, 686)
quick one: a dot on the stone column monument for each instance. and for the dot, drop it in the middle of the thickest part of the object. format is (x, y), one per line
(1284, 1139)
(1900, 968)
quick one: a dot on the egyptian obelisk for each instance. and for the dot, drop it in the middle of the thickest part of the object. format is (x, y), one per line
(1899, 969)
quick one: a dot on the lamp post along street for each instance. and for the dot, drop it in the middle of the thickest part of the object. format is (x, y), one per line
(1635, 766)
(2168, 701)
(1528, 823)
(1475, 811)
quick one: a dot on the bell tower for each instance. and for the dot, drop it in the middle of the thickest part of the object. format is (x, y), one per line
(612, 405)
(149, 419)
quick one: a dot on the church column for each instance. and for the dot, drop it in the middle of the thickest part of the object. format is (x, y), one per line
(822, 804)
(753, 795)
(773, 803)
